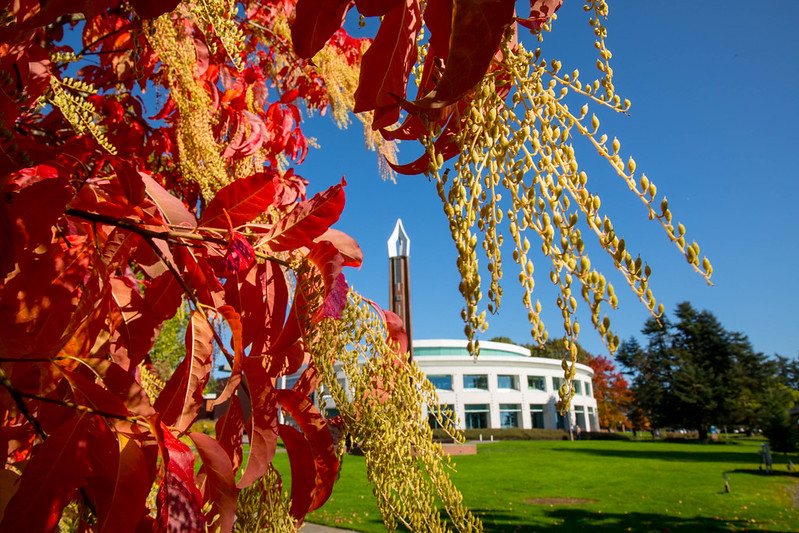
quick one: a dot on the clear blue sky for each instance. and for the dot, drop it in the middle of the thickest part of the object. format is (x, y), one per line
(714, 123)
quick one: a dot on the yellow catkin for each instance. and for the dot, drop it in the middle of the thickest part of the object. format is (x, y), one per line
(382, 409)
(341, 80)
(200, 158)
(517, 159)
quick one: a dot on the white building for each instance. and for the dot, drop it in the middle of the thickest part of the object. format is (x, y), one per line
(504, 387)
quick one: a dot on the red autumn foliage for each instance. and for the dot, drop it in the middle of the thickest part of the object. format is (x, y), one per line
(612, 393)
(98, 250)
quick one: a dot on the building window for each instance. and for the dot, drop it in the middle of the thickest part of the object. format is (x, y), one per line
(561, 423)
(536, 383)
(592, 418)
(579, 415)
(556, 383)
(588, 391)
(441, 382)
(447, 414)
(578, 389)
(476, 415)
(537, 415)
(508, 382)
(475, 381)
(509, 415)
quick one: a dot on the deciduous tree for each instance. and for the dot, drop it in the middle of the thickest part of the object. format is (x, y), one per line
(612, 393)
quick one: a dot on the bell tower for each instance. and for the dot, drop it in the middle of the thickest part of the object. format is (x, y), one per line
(399, 246)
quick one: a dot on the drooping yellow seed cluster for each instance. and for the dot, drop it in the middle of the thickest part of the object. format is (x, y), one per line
(215, 18)
(263, 507)
(382, 411)
(200, 154)
(518, 166)
(70, 97)
(150, 382)
(341, 81)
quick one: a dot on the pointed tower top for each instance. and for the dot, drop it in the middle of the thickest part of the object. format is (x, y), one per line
(399, 245)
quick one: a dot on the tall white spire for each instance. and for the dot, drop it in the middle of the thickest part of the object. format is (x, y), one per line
(399, 245)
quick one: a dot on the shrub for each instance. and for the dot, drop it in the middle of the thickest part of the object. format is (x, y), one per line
(204, 426)
(505, 434)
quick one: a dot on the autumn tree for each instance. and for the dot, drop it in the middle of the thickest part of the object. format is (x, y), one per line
(612, 393)
(115, 212)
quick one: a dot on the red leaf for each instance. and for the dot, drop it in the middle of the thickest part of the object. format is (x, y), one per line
(34, 210)
(229, 431)
(136, 327)
(119, 484)
(387, 64)
(540, 13)
(275, 299)
(317, 434)
(330, 264)
(262, 424)
(307, 221)
(9, 482)
(172, 208)
(260, 295)
(446, 145)
(123, 386)
(49, 13)
(396, 331)
(243, 199)
(179, 500)
(303, 470)
(57, 468)
(234, 324)
(346, 246)
(220, 487)
(375, 8)
(438, 17)
(150, 9)
(93, 395)
(38, 318)
(239, 256)
(315, 22)
(163, 296)
(477, 30)
(308, 380)
(179, 402)
(199, 276)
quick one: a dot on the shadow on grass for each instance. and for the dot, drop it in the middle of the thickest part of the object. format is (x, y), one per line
(709, 456)
(776, 472)
(566, 519)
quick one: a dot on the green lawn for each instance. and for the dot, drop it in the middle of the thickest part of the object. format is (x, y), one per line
(623, 486)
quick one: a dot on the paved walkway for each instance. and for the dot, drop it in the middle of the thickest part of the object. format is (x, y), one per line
(316, 528)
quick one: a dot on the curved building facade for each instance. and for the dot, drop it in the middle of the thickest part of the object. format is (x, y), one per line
(504, 387)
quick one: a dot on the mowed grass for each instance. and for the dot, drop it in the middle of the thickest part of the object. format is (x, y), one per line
(521, 486)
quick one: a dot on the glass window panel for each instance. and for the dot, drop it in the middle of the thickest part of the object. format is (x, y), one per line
(588, 390)
(505, 381)
(475, 381)
(561, 424)
(578, 389)
(537, 416)
(476, 416)
(579, 416)
(536, 383)
(509, 415)
(441, 382)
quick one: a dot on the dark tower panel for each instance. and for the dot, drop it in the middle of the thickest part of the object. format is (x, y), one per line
(399, 246)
